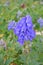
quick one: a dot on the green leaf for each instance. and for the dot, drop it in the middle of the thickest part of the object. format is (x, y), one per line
(33, 62)
(1, 59)
(8, 61)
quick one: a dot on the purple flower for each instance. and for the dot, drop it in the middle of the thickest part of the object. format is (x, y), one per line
(24, 30)
(40, 21)
(11, 25)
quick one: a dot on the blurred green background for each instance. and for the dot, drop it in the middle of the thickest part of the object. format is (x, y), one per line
(11, 53)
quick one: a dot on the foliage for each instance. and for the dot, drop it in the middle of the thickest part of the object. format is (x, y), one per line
(11, 52)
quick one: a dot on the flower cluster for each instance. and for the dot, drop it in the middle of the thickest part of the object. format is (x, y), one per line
(40, 21)
(24, 29)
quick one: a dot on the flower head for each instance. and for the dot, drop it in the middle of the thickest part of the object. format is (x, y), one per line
(24, 29)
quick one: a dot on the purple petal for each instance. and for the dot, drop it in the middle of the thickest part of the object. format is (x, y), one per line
(11, 25)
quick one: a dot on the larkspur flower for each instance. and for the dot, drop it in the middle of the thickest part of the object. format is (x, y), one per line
(24, 30)
(11, 25)
(40, 21)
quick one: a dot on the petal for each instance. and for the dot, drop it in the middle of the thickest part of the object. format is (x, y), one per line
(28, 19)
(16, 31)
(21, 22)
(21, 42)
(21, 39)
(11, 25)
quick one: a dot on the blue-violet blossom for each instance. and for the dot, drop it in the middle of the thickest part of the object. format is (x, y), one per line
(23, 29)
